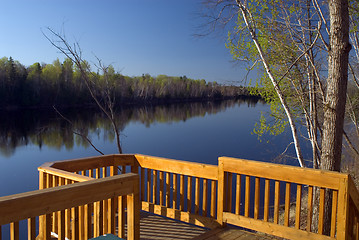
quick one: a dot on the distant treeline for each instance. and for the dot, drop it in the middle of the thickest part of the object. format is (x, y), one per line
(41, 85)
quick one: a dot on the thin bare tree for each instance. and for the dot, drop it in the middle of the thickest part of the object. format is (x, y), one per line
(100, 90)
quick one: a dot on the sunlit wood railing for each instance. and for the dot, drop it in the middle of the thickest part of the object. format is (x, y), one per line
(257, 186)
(181, 190)
(79, 170)
(67, 203)
(352, 210)
(276, 199)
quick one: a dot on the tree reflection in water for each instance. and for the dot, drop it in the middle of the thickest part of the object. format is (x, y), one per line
(45, 127)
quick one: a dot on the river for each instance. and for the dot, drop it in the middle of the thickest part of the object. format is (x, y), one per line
(199, 132)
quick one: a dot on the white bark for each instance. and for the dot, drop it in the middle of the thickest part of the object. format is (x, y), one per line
(247, 19)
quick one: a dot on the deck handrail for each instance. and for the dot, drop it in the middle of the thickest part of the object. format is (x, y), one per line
(236, 191)
(45, 202)
(294, 180)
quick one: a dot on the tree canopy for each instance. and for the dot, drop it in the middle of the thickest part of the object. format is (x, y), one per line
(59, 83)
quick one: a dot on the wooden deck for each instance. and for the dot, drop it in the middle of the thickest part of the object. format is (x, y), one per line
(231, 234)
(84, 198)
(155, 227)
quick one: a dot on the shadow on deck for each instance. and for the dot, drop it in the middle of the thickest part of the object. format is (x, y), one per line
(84, 198)
(156, 227)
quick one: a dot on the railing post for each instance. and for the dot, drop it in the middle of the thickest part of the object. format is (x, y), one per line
(343, 209)
(133, 213)
(220, 195)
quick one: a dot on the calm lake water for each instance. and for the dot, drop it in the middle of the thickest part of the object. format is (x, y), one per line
(199, 132)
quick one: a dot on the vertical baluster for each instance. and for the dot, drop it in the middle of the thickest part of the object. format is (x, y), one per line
(61, 217)
(256, 197)
(47, 227)
(82, 217)
(98, 207)
(14, 231)
(121, 211)
(229, 192)
(205, 198)
(55, 182)
(154, 186)
(161, 188)
(174, 184)
(148, 185)
(88, 221)
(111, 216)
(168, 178)
(112, 206)
(31, 228)
(49, 181)
(196, 210)
(287, 204)
(189, 194)
(225, 191)
(181, 192)
(121, 217)
(310, 208)
(334, 213)
(142, 184)
(104, 206)
(276, 201)
(81, 227)
(67, 217)
(238, 194)
(266, 200)
(213, 198)
(321, 210)
(61, 224)
(298, 206)
(49, 184)
(247, 197)
(75, 222)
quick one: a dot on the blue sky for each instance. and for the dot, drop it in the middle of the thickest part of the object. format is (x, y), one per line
(136, 37)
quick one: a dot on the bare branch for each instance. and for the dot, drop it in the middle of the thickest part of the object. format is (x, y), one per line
(75, 55)
(78, 133)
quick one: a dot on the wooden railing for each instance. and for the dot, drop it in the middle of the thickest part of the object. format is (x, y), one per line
(276, 199)
(352, 210)
(72, 205)
(79, 170)
(181, 190)
(258, 186)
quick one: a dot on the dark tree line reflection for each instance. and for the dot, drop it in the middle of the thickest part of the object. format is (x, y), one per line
(48, 128)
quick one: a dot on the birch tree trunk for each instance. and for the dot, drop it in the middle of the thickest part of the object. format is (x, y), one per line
(247, 19)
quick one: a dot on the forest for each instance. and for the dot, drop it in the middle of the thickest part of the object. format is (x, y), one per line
(46, 85)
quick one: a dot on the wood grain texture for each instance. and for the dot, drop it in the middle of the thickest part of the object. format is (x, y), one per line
(305, 176)
(180, 167)
(31, 204)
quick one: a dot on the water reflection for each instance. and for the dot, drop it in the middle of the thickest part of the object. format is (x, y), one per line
(44, 127)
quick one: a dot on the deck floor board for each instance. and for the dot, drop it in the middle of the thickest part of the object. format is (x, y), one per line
(155, 227)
